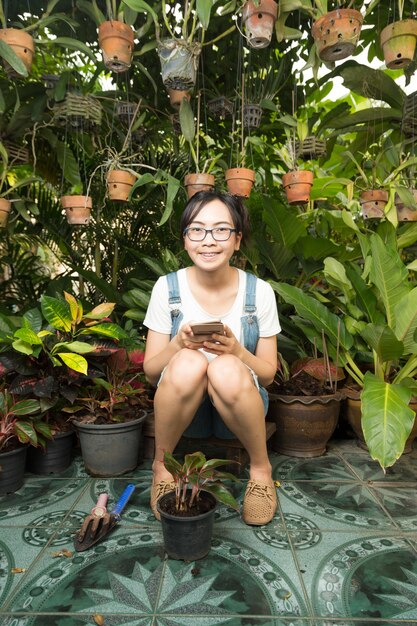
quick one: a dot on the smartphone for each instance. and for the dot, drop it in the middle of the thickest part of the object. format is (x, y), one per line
(207, 328)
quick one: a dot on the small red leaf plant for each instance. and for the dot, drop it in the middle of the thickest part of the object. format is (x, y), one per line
(308, 376)
(21, 423)
(195, 475)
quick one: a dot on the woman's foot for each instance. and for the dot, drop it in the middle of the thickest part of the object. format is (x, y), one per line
(159, 489)
(259, 503)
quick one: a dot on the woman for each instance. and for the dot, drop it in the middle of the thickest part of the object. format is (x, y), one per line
(219, 377)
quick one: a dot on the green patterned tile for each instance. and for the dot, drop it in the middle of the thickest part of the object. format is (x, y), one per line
(326, 467)
(58, 619)
(372, 578)
(401, 504)
(39, 497)
(404, 470)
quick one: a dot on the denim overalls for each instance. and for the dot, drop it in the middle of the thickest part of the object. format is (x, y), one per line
(207, 422)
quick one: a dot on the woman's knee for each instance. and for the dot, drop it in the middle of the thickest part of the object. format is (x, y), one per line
(186, 370)
(228, 376)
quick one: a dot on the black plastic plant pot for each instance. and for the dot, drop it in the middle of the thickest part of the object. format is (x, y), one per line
(55, 458)
(187, 538)
(12, 473)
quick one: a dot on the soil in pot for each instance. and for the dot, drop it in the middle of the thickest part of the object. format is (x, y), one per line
(187, 536)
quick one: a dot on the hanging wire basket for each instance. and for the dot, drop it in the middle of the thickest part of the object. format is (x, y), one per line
(220, 107)
(77, 111)
(409, 121)
(125, 111)
(50, 80)
(17, 153)
(310, 148)
(252, 115)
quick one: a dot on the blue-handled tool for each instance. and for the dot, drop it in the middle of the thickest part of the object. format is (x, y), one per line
(99, 522)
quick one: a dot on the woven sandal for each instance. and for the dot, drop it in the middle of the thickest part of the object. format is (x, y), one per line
(259, 503)
(157, 491)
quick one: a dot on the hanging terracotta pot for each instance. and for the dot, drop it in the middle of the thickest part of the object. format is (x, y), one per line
(116, 42)
(337, 33)
(176, 97)
(297, 186)
(77, 208)
(259, 20)
(398, 41)
(5, 206)
(22, 44)
(240, 181)
(198, 182)
(406, 213)
(119, 184)
(373, 203)
(179, 62)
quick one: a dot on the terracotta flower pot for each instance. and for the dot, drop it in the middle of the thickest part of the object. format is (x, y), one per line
(259, 22)
(297, 186)
(373, 203)
(22, 44)
(119, 184)
(116, 42)
(176, 96)
(77, 208)
(337, 33)
(240, 181)
(405, 213)
(5, 206)
(398, 41)
(198, 182)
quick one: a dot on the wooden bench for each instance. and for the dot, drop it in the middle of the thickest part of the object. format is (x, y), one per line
(233, 449)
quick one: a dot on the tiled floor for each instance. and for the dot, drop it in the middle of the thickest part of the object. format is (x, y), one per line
(342, 550)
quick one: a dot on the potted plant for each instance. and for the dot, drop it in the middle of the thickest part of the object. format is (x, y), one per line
(398, 40)
(200, 180)
(336, 33)
(20, 424)
(187, 514)
(261, 89)
(380, 309)
(115, 32)
(259, 17)
(297, 182)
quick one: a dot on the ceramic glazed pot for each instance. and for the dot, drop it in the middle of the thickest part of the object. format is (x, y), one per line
(111, 449)
(304, 423)
(187, 538)
(119, 184)
(78, 209)
(373, 203)
(398, 41)
(116, 42)
(22, 44)
(337, 33)
(5, 206)
(240, 181)
(405, 213)
(198, 182)
(179, 62)
(297, 186)
(176, 97)
(259, 20)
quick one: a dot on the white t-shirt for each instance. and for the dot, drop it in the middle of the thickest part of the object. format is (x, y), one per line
(158, 315)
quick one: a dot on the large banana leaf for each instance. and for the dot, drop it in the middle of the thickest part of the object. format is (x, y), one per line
(389, 275)
(383, 341)
(405, 314)
(387, 419)
(365, 297)
(316, 313)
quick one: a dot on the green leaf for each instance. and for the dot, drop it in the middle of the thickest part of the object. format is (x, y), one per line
(405, 315)
(187, 120)
(74, 44)
(103, 383)
(141, 7)
(142, 180)
(26, 433)
(387, 419)
(223, 495)
(173, 186)
(28, 336)
(75, 362)
(383, 341)
(102, 310)
(33, 317)
(106, 330)
(203, 8)
(79, 347)
(26, 407)
(10, 56)
(56, 312)
(22, 346)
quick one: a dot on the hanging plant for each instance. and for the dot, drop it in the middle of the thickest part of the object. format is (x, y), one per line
(259, 17)
(336, 33)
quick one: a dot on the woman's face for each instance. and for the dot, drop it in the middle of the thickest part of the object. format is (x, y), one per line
(210, 254)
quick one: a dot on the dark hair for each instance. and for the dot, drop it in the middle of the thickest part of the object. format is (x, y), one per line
(238, 211)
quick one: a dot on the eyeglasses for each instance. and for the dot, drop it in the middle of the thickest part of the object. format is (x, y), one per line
(195, 233)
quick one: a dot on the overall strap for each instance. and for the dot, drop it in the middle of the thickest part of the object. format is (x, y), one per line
(249, 321)
(174, 302)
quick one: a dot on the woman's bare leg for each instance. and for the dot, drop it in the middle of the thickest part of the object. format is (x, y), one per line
(177, 399)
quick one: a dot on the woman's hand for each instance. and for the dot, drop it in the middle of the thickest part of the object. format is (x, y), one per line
(224, 344)
(187, 339)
